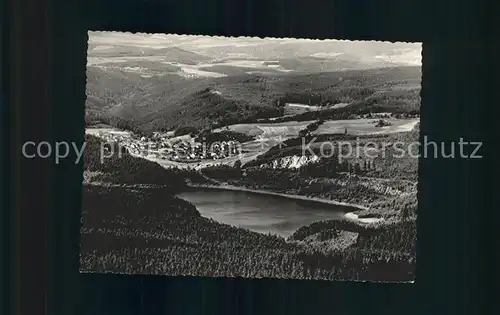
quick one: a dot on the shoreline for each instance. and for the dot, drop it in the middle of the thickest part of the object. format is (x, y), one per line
(350, 215)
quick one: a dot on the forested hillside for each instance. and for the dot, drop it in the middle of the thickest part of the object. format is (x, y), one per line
(150, 232)
(164, 102)
(104, 163)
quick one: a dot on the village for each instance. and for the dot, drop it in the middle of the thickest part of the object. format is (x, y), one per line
(195, 149)
(165, 147)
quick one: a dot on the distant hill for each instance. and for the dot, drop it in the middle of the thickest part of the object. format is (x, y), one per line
(130, 100)
(148, 82)
(99, 53)
(370, 53)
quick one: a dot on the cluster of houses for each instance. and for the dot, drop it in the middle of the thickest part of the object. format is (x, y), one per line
(195, 151)
(146, 146)
(162, 147)
(121, 138)
(385, 115)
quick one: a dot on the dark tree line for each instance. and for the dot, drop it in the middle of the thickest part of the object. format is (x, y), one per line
(326, 97)
(224, 171)
(310, 128)
(185, 130)
(155, 233)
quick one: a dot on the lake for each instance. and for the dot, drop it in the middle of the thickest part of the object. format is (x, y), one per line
(258, 212)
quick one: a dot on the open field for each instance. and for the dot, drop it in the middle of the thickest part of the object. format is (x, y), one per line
(297, 109)
(97, 131)
(268, 130)
(366, 126)
(354, 127)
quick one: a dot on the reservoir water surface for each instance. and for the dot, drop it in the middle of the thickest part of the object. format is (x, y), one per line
(259, 212)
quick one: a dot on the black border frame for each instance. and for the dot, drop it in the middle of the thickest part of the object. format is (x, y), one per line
(44, 89)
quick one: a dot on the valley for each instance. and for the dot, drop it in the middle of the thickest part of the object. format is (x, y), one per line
(233, 157)
(131, 201)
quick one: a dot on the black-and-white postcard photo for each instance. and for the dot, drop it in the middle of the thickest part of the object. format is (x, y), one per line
(251, 157)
